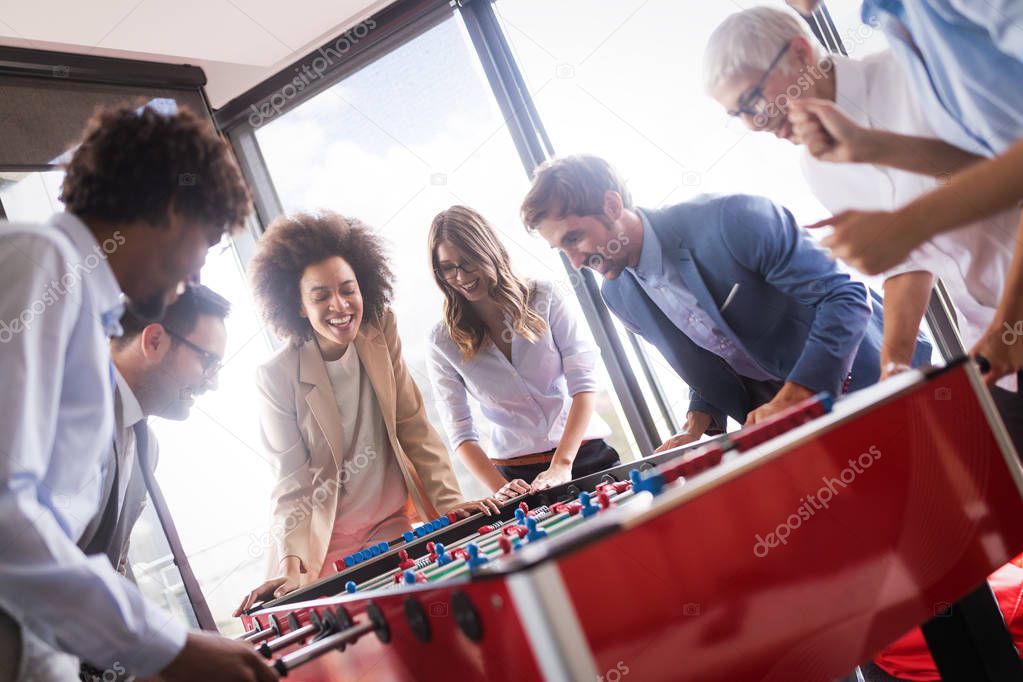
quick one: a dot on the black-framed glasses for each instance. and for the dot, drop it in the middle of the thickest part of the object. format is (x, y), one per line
(752, 101)
(211, 362)
(448, 271)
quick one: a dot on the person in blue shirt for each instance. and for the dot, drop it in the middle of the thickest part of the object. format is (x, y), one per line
(742, 304)
(145, 196)
(965, 64)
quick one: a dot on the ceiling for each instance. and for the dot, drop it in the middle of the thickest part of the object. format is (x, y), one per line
(238, 43)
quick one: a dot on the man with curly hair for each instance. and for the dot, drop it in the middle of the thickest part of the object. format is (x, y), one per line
(145, 196)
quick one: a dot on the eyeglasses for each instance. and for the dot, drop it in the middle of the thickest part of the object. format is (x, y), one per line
(211, 362)
(448, 271)
(751, 103)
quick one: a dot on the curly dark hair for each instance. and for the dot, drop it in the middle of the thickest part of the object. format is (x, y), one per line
(138, 164)
(293, 243)
(181, 317)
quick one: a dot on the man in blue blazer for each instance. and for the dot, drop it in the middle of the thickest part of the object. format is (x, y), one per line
(742, 304)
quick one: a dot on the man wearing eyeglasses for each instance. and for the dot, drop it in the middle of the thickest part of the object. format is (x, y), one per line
(159, 370)
(870, 98)
(871, 102)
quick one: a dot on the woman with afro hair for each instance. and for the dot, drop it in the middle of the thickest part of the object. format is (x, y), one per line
(340, 416)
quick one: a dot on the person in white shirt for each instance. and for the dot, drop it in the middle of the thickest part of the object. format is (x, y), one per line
(760, 61)
(130, 225)
(159, 369)
(516, 347)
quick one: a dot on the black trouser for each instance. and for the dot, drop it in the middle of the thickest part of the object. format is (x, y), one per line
(1010, 407)
(873, 673)
(593, 456)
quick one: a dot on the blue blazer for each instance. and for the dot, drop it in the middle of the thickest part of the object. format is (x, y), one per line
(794, 311)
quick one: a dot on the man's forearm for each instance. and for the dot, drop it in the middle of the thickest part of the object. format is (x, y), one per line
(905, 302)
(697, 423)
(923, 155)
(978, 192)
(1010, 308)
(791, 393)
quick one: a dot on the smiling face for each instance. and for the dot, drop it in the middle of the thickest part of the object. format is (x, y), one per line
(183, 374)
(167, 373)
(332, 302)
(472, 286)
(596, 242)
(796, 76)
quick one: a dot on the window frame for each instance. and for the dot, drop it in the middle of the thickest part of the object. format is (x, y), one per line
(394, 26)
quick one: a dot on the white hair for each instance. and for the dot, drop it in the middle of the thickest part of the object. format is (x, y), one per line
(747, 41)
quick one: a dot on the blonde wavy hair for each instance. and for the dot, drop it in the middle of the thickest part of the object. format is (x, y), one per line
(469, 231)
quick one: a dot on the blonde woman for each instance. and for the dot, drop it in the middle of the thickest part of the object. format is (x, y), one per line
(516, 348)
(340, 416)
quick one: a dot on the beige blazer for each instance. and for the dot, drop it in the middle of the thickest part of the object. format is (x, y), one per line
(300, 427)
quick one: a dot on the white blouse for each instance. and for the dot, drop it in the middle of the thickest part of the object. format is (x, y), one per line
(527, 399)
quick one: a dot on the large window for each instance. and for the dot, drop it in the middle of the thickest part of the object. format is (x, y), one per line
(395, 143)
(30, 197)
(212, 467)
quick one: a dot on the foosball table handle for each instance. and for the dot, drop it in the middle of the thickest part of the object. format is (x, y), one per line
(984, 365)
(297, 634)
(348, 634)
(258, 634)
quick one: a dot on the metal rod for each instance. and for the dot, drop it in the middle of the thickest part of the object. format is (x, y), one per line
(247, 636)
(203, 615)
(941, 319)
(286, 664)
(284, 641)
(655, 385)
(257, 637)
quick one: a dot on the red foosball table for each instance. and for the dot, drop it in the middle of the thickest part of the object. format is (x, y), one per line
(791, 550)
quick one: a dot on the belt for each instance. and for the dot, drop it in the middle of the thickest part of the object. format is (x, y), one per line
(528, 460)
(525, 460)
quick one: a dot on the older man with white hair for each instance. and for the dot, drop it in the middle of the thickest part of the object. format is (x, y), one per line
(763, 67)
(760, 62)
(964, 62)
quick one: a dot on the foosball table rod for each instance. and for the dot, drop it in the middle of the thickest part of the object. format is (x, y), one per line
(374, 622)
(258, 634)
(317, 626)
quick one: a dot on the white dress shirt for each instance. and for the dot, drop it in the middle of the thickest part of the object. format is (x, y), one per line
(527, 399)
(125, 442)
(663, 283)
(971, 261)
(59, 302)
